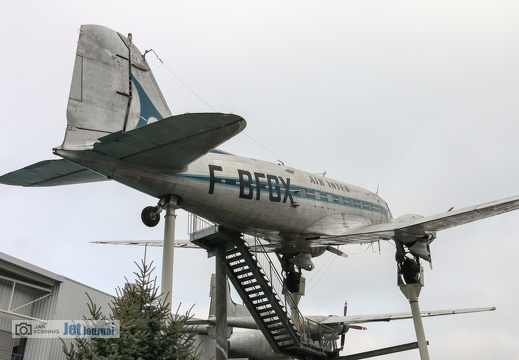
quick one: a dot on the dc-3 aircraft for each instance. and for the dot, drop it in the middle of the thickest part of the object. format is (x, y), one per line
(119, 127)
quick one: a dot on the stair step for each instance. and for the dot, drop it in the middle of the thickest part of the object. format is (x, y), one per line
(256, 294)
(286, 346)
(275, 326)
(245, 270)
(234, 258)
(251, 279)
(248, 282)
(259, 301)
(236, 262)
(270, 318)
(233, 251)
(281, 339)
(237, 266)
(278, 332)
(252, 289)
(266, 312)
(263, 307)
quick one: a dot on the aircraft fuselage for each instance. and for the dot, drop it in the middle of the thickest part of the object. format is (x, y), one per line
(262, 197)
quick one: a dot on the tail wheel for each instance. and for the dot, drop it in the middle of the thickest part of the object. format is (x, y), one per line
(149, 216)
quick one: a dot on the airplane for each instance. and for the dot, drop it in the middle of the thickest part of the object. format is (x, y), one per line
(251, 343)
(119, 127)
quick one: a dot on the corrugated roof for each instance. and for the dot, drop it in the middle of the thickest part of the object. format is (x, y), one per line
(28, 272)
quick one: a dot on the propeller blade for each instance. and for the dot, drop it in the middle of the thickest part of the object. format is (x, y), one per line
(430, 257)
(358, 327)
(336, 251)
(343, 335)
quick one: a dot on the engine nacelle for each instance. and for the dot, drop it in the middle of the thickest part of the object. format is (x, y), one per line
(416, 239)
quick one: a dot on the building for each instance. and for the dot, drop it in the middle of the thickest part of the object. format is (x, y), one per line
(32, 293)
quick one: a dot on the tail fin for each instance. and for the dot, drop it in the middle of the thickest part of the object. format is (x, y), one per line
(112, 89)
(233, 309)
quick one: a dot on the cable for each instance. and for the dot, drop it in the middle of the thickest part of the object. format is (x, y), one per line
(178, 78)
(207, 104)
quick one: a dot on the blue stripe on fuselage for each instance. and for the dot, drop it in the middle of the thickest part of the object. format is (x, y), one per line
(349, 202)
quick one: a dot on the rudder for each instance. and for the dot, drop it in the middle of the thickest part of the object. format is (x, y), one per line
(112, 89)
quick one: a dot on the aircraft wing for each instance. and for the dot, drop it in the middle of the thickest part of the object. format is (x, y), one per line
(171, 143)
(51, 173)
(360, 319)
(417, 226)
(186, 244)
(247, 322)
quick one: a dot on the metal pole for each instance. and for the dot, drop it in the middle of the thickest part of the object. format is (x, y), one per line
(411, 292)
(412, 295)
(168, 250)
(221, 304)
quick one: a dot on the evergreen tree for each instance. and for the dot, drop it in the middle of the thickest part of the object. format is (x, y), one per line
(148, 330)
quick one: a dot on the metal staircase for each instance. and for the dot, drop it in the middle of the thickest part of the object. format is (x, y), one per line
(303, 339)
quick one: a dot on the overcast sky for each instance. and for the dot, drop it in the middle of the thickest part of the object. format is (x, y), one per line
(417, 98)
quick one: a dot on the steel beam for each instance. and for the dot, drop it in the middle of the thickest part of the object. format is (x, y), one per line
(380, 352)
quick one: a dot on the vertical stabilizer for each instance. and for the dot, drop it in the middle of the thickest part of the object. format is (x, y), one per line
(113, 89)
(233, 309)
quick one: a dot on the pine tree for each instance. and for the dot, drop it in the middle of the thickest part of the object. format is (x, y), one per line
(148, 330)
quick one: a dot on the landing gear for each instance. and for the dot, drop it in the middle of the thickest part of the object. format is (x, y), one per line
(150, 215)
(410, 270)
(293, 281)
(293, 274)
(293, 287)
(408, 266)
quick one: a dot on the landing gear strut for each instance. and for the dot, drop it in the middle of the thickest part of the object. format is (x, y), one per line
(150, 215)
(293, 286)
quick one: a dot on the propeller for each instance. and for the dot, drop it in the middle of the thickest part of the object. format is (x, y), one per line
(343, 335)
(347, 327)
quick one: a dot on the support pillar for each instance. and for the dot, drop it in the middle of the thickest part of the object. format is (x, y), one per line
(221, 304)
(292, 300)
(411, 292)
(168, 250)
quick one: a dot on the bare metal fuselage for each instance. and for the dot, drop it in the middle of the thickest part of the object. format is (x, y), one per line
(259, 197)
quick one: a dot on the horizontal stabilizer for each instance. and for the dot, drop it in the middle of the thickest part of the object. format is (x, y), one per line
(172, 143)
(51, 173)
